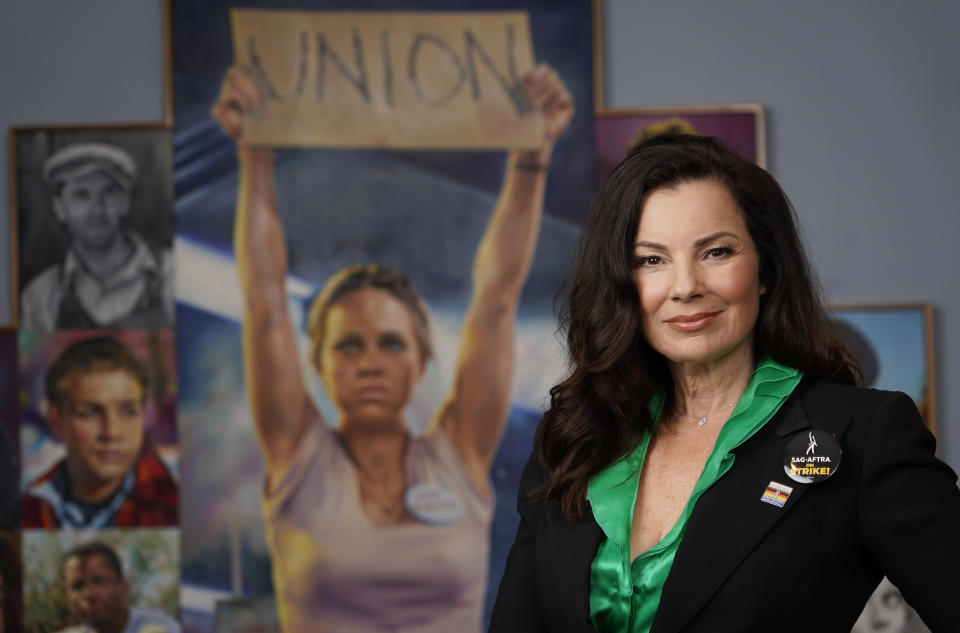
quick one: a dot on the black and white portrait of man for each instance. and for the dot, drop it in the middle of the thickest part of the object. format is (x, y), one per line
(94, 212)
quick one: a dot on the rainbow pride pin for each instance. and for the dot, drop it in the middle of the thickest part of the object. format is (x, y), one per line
(776, 494)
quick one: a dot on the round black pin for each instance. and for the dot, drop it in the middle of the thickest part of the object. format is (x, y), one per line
(812, 456)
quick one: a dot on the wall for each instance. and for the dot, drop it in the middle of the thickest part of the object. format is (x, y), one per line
(862, 132)
(861, 100)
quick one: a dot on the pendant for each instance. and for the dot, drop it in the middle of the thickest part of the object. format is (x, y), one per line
(702, 421)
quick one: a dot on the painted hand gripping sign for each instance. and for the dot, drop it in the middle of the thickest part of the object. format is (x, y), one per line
(388, 79)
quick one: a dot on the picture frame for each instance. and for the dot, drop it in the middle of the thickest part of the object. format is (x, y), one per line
(42, 239)
(149, 561)
(167, 64)
(9, 401)
(894, 344)
(11, 245)
(343, 191)
(597, 58)
(12, 242)
(741, 126)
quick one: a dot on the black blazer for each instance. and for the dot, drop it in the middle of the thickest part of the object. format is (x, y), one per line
(743, 565)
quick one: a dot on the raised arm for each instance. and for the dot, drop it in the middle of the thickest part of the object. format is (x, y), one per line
(281, 408)
(476, 410)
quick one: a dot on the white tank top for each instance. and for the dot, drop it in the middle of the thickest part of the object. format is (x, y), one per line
(335, 571)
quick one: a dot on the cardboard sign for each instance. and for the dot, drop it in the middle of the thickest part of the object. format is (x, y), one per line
(388, 79)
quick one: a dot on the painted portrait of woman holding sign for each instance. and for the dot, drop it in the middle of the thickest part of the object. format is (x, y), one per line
(378, 421)
(368, 495)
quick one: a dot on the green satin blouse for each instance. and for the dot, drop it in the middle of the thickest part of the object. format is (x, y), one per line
(624, 596)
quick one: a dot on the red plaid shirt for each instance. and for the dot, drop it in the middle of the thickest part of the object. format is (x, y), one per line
(152, 501)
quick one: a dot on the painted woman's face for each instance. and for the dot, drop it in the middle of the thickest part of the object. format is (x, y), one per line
(370, 361)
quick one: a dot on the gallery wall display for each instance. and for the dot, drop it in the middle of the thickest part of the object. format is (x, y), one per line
(94, 227)
(416, 209)
(93, 404)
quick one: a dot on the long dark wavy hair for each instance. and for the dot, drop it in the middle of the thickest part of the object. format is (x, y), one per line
(600, 410)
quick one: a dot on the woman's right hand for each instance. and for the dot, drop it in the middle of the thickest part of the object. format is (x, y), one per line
(239, 96)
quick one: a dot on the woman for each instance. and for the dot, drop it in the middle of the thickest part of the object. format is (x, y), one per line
(707, 465)
(371, 529)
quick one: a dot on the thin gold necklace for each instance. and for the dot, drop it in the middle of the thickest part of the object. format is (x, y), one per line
(701, 420)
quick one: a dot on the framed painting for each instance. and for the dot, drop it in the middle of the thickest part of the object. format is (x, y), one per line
(417, 201)
(133, 371)
(148, 561)
(94, 225)
(739, 125)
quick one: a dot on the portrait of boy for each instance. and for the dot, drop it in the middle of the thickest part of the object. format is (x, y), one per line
(96, 394)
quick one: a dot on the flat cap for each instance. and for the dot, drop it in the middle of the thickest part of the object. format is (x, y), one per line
(80, 159)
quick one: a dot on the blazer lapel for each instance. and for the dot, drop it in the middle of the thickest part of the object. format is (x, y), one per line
(729, 520)
(572, 549)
